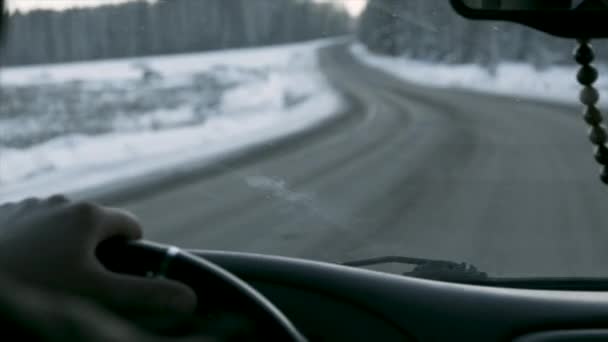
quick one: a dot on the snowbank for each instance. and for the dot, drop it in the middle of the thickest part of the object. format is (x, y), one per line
(280, 56)
(258, 95)
(514, 79)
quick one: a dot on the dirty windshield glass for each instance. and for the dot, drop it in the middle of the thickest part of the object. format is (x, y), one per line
(328, 130)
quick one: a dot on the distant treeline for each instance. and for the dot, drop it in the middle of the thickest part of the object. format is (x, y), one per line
(431, 30)
(166, 26)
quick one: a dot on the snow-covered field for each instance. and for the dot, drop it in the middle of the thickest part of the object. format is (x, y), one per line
(555, 83)
(78, 126)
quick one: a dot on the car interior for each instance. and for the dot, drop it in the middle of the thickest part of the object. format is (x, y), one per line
(290, 299)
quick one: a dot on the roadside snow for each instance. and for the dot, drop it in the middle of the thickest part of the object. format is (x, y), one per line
(520, 80)
(280, 56)
(258, 95)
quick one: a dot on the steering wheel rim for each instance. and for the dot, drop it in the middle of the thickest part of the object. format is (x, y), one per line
(216, 288)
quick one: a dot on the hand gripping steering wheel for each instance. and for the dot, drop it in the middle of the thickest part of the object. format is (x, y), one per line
(218, 290)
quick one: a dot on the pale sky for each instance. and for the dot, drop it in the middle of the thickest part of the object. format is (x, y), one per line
(353, 6)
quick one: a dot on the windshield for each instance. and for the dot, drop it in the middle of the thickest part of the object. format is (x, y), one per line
(328, 130)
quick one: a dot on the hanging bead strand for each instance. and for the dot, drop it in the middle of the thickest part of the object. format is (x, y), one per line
(589, 96)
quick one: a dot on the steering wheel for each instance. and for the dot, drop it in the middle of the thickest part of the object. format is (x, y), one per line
(219, 292)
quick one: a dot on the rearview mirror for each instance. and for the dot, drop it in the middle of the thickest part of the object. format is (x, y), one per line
(564, 18)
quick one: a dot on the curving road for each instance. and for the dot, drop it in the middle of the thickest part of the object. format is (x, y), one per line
(508, 185)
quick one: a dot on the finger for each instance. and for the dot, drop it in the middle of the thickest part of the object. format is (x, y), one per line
(6, 204)
(116, 223)
(78, 320)
(153, 296)
(29, 203)
(32, 201)
(28, 206)
(58, 200)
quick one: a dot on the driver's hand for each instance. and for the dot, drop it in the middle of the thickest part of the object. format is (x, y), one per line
(51, 244)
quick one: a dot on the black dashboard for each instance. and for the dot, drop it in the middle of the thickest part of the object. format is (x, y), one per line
(330, 302)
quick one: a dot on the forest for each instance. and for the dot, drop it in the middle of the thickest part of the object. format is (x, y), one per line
(145, 27)
(421, 29)
(430, 30)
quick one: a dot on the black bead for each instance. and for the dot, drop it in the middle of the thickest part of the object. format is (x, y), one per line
(601, 155)
(589, 96)
(604, 176)
(587, 75)
(593, 116)
(597, 135)
(584, 54)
